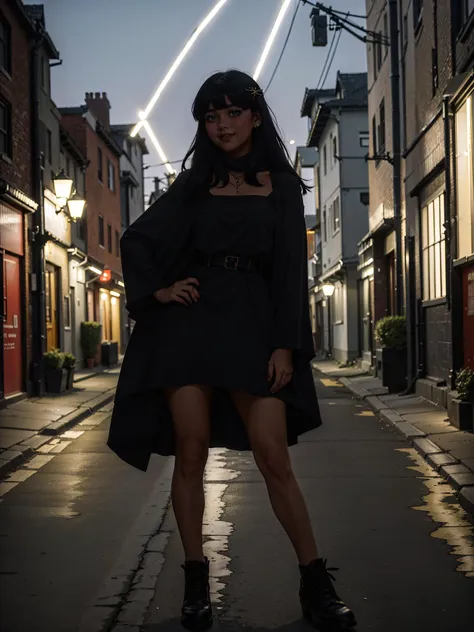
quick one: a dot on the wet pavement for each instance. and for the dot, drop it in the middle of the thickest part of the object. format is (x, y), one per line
(85, 539)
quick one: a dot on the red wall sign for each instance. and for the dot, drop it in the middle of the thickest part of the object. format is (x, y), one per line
(468, 316)
(11, 230)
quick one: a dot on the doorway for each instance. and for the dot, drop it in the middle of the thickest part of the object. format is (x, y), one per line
(52, 307)
(12, 326)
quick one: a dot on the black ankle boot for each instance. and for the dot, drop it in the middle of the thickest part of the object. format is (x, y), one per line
(196, 613)
(321, 605)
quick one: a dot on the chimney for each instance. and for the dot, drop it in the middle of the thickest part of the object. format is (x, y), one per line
(99, 106)
(157, 184)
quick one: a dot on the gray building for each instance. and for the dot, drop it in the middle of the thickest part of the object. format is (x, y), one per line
(338, 127)
(132, 189)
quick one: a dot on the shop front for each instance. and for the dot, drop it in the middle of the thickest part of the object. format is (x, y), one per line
(13, 282)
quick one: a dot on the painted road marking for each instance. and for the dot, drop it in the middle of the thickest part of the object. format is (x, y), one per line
(365, 413)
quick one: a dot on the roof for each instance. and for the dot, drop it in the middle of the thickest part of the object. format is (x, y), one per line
(351, 90)
(71, 111)
(102, 131)
(307, 156)
(35, 13)
(309, 98)
(124, 129)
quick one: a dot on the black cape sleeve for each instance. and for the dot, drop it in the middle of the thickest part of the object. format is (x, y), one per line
(153, 249)
(291, 327)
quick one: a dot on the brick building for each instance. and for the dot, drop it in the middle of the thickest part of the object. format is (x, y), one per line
(436, 82)
(16, 197)
(89, 126)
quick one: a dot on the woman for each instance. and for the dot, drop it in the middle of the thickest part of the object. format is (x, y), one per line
(216, 279)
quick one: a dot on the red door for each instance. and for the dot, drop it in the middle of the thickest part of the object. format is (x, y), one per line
(468, 316)
(12, 352)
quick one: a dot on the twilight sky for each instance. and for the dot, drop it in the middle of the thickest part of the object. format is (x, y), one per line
(125, 48)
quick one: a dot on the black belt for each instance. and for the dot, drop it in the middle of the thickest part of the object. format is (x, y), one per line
(230, 262)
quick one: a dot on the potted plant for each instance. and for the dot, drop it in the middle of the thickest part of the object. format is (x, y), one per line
(90, 340)
(70, 366)
(391, 334)
(461, 408)
(55, 373)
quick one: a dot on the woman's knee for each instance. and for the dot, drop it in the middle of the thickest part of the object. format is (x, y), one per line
(191, 456)
(274, 463)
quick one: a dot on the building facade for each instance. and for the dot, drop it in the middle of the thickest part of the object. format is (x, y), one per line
(339, 129)
(89, 126)
(16, 198)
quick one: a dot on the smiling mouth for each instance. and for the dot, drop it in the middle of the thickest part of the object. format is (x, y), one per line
(226, 137)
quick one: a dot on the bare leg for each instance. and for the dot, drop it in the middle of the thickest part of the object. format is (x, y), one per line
(265, 421)
(190, 409)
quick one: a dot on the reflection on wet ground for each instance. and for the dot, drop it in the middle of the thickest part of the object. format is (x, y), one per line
(442, 507)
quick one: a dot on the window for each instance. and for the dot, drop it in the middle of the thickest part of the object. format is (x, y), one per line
(334, 151)
(381, 128)
(111, 175)
(109, 237)
(379, 51)
(417, 11)
(364, 198)
(5, 129)
(338, 304)
(5, 45)
(325, 159)
(374, 135)
(386, 34)
(464, 178)
(100, 174)
(132, 193)
(101, 231)
(128, 148)
(325, 225)
(336, 216)
(467, 7)
(434, 250)
(67, 312)
(364, 139)
(374, 59)
(49, 146)
(117, 243)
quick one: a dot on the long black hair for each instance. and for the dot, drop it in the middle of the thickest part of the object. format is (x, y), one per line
(208, 162)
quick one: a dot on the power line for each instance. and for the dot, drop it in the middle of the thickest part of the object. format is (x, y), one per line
(323, 70)
(332, 58)
(284, 45)
(318, 5)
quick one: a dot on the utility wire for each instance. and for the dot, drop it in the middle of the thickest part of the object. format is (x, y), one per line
(318, 5)
(284, 45)
(339, 35)
(328, 54)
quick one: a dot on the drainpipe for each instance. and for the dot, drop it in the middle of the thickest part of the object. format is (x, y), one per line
(38, 236)
(396, 141)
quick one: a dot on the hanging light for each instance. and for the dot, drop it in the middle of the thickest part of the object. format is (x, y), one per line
(76, 207)
(62, 185)
(328, 289)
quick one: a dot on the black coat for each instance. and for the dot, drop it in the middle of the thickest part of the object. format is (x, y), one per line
(155, 253)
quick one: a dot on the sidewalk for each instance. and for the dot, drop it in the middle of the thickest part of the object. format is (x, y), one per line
(448, 450)
(27, 425)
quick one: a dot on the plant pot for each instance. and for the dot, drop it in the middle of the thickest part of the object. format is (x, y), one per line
(70, 378)
(392, 368)
(90, 363)
(461, 414)
(56, 380)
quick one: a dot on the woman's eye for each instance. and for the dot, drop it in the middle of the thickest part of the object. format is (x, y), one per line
(235, 113)
(210, 118)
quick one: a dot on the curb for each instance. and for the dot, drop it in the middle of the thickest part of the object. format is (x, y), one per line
(18, 454)
(452, 470)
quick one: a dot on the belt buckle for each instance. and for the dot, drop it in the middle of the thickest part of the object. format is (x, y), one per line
(234, 265)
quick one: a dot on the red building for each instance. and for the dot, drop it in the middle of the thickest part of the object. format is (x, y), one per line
(16, 192)
(89, 126)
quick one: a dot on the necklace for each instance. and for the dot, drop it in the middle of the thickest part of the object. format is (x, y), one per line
(238, 180)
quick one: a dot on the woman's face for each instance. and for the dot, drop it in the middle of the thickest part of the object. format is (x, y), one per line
(231, 128)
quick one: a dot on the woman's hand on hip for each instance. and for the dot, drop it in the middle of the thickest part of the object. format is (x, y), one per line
(280, 366)
(182, 292)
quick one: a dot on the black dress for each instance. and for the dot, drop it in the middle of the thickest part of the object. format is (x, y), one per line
(225, 339)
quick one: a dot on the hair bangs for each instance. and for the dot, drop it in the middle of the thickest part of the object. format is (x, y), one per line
(220, 87)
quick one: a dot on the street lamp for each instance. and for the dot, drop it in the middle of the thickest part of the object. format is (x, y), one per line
(71, 205)
(328, 289)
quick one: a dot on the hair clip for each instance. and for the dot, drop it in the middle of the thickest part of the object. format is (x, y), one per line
(255, 91)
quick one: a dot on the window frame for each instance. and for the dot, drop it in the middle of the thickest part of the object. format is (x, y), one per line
(6, 43)
(117, 243)
(336, 217)
(100, 165)
(101, 234)
(109, 238)
(110, 175)
(433, 239)
(7, 133)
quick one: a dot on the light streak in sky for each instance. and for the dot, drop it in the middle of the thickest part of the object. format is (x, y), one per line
(271, 38)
